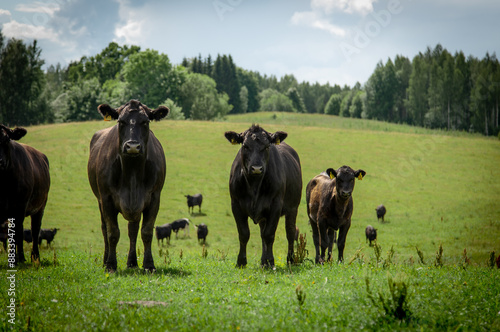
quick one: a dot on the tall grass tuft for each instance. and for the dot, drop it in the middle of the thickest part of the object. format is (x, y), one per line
(420, 255)
(395, 304)
(301, 253)
(465, 259)
(439, 257)
(301, 295)
(491, 259)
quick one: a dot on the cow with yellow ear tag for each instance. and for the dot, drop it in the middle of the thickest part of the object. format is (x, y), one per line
(329, 207)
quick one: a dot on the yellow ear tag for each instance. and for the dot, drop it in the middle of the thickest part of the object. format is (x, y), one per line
(107, 117)
(331, 176)
(233, 141)
(278, 141)
(360, 176)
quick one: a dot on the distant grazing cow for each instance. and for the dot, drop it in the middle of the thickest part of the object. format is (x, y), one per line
(380, 212)
(265, 183)
(194, 200)
(163, 232)
(48, 235)
(329, 207)
(126, 171)
(178, 224)
(27, 236)
(202, 232)
(371, 234)
(498, 261)
(25, 183)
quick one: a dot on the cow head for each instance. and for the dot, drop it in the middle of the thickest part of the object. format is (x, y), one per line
(6, 135)
(344, 180)
(256, 143)
(133, 124)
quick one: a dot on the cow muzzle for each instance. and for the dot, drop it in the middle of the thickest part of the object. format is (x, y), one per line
(256, 170)
(132, 148)
(345, 194)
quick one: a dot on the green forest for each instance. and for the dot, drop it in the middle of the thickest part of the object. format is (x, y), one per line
(435, 89)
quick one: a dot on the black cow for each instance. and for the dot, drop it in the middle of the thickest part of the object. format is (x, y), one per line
(126, 171)
(380, 212)
(27, 236)
(265, 183)
(48, 235)
(25, 182)
(202, 232)
(178, 224)
(329, 207)
(163, 232)
(371, 234)
(194, 200)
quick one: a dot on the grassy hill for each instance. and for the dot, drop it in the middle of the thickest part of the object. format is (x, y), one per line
(438, 189)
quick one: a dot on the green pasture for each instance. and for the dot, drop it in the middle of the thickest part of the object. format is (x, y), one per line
(440, 189)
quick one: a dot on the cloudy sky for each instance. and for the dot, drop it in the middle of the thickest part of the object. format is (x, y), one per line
(336, 41)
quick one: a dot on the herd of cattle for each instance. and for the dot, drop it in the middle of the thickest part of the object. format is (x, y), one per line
(127, 169)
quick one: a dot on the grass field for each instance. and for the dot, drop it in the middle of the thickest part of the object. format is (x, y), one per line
(440, 189)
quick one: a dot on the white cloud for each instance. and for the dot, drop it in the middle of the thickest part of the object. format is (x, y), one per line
(14, 29)
(362, 7)
(39, 7)
(314, 20)
(131, 32)
(5, 16)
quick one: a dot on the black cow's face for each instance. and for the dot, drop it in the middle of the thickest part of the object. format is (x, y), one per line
(133, 125)
(256, 143)
(6, 135)
(344, 180)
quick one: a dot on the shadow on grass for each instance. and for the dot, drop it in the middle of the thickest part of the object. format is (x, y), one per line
(168, 271)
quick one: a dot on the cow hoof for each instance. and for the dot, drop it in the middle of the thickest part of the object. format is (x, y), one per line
(150, 270)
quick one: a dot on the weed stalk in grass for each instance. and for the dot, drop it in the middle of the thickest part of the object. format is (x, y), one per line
(204, 252)
(491, 260)
(378, 252)
(465, 259)
(420, 255)
(358, 256)
(439, 257)
(390, 256)
(396, 303)
(301, 253)
(301, 295)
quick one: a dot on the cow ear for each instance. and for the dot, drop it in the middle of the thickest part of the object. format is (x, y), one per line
(159, 113)
(359, 174)
(15, 134)
(331, 173)
(107, 112)
(233, 137)
(278, 137)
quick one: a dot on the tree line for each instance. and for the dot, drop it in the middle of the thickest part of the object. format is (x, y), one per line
(435, 89)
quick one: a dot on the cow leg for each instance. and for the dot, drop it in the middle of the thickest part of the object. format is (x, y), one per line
(18, 238)
(133, 230)
(331, 240)
(341, 240)
(105, 236)
(290, 222)
(109, 216)
(267, 233)
(320, 239)
(147, 230)
(241, 220)
(36, 224)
